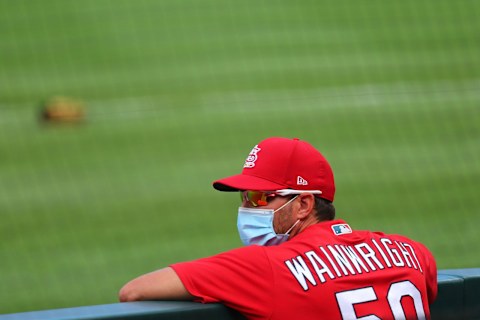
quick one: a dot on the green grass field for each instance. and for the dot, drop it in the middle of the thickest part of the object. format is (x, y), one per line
(176, 95)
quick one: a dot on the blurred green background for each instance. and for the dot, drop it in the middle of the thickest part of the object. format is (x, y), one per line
(176, 94)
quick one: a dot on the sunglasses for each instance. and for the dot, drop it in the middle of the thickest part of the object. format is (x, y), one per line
(261, 198)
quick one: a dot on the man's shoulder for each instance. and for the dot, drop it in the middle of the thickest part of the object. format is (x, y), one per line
(244, 253)
(397, 237)
(243, 258)
(340, 232)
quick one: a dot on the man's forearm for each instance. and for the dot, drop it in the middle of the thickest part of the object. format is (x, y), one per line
(163, 284)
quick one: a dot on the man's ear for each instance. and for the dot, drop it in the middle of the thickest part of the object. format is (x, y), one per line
(306, 203)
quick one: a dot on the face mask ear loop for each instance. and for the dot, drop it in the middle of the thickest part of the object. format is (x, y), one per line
(286, 204)
(288, 231)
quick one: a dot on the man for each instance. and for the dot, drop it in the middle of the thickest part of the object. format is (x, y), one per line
(298, 262)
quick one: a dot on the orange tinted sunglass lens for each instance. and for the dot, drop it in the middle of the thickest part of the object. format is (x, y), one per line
(256, 198)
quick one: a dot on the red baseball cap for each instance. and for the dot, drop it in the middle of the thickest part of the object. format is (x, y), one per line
(281, 163)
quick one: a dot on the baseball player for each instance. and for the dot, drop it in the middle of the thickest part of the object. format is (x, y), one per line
(298, 261)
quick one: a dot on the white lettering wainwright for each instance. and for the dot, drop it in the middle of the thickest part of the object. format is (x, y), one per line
(335, 261)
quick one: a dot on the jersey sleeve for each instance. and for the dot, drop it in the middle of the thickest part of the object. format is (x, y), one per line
(241, 279)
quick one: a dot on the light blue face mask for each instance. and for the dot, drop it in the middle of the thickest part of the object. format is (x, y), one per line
(255, 226)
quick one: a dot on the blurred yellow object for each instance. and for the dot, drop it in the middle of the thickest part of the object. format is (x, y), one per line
(63, 109)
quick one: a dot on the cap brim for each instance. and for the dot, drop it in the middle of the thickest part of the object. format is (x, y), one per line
(245, 182)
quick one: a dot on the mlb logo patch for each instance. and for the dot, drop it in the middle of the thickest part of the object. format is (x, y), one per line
(339, 229)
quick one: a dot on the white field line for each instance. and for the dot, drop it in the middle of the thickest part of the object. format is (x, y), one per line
(368, 96)
(386, 97)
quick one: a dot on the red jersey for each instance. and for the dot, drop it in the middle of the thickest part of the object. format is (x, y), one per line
(328, 271)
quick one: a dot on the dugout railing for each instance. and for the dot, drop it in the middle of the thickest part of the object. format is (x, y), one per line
(458, 298)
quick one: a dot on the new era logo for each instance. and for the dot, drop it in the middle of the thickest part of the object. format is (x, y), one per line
(339, 229)
(301, 181)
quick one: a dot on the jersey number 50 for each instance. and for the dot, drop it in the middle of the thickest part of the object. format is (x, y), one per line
(347, 299)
